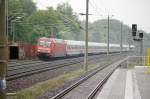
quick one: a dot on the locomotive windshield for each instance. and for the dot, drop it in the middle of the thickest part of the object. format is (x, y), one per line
(44, 43)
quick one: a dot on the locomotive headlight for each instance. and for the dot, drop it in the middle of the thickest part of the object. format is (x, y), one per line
(39, 50)
(49, 51)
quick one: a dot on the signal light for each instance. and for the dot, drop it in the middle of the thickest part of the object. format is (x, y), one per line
(141, 35)
(133, 33)
(134, 29)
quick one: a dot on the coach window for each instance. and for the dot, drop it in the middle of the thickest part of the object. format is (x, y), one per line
(93, 47)
(47, 44)
(69, 47)
(72, 46)
(41, 43)
(76, 47)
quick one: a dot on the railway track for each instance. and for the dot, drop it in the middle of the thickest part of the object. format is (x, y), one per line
(28, 68)
(96, 79)
(32, 68)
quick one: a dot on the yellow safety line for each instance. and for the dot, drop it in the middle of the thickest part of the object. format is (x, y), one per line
(148, 61)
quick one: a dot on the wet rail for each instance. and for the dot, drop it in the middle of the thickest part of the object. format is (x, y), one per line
(81, 89)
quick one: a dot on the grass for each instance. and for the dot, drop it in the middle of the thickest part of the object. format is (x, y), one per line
(131, 66)
(31, 93)
(52, 84)
(41, 88)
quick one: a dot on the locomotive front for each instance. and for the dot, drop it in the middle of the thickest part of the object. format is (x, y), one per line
(44, 48)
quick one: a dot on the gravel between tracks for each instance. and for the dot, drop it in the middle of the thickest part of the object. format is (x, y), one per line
(51, 93)
(25, 82)
(83, 90)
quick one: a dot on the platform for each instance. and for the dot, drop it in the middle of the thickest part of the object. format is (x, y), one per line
(127, 84)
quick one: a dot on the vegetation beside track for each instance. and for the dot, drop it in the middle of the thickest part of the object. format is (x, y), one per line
(41, 88)
(52, 84)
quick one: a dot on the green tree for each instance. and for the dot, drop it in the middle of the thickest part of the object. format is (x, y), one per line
(33, 23)
(20, 9)
(70, 20)
(46, 20)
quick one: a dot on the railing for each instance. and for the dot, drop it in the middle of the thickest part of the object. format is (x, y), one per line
(138, 61)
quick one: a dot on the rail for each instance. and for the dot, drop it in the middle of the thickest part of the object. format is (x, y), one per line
(29, 69)
(92, 94)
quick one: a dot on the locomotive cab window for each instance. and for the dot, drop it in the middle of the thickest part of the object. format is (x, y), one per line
(41, 43)
(44, 43)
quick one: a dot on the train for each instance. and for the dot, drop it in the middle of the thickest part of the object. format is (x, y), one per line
(53, 47)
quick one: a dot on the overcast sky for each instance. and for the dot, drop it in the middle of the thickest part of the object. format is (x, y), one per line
(127, 11)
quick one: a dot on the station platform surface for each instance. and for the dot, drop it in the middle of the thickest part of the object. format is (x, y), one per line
(127, 84)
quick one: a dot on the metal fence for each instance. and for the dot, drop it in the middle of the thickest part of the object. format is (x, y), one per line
(138, 61)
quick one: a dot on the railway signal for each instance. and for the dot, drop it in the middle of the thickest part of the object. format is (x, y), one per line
(134, 29)
(141, 35)
(139, 39)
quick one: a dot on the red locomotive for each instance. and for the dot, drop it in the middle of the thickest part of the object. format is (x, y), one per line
(51, 47)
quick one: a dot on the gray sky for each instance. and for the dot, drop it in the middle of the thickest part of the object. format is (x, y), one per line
(127, 11)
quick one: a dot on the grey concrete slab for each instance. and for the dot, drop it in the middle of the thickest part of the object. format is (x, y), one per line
(115, 86)
(143, 81)
(127, 84)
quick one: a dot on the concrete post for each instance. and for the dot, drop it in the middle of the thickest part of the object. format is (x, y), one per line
(108, 38)
(3, 49)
